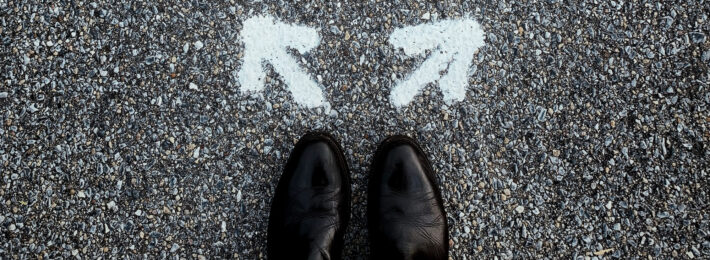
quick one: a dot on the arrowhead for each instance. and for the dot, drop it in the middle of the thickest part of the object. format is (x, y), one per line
(267, 40)
(453, 44)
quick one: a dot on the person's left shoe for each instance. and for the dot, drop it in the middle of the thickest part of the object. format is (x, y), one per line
(311, 206)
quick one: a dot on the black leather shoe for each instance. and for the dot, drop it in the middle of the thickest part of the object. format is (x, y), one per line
(405, 212)
(311, 207)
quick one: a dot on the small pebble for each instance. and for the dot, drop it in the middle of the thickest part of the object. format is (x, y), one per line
(198, 45)
(426, 16)
(697, 37)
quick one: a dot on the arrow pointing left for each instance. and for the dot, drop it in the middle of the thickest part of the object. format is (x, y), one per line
(267, 40)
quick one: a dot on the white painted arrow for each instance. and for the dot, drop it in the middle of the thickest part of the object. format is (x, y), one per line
(267, 40)
(452, 43)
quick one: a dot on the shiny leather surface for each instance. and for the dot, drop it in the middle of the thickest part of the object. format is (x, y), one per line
(406, 217)
(311, 205)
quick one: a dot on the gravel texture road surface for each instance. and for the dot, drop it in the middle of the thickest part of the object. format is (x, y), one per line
(584, 133)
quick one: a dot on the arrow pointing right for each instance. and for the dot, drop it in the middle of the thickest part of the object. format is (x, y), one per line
(453, 44)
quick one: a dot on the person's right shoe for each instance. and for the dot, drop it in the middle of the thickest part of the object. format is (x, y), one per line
(405, 212)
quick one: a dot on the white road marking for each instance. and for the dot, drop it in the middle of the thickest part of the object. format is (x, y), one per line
(453, 44)
(267, 40)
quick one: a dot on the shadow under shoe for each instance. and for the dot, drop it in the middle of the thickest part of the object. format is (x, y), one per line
(311, 205)
(406, 218)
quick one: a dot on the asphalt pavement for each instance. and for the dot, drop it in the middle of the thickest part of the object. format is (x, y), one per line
(125, 131)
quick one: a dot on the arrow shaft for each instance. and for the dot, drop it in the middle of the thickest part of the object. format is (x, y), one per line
(453, 84)
(303, 89)
(427, 73)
